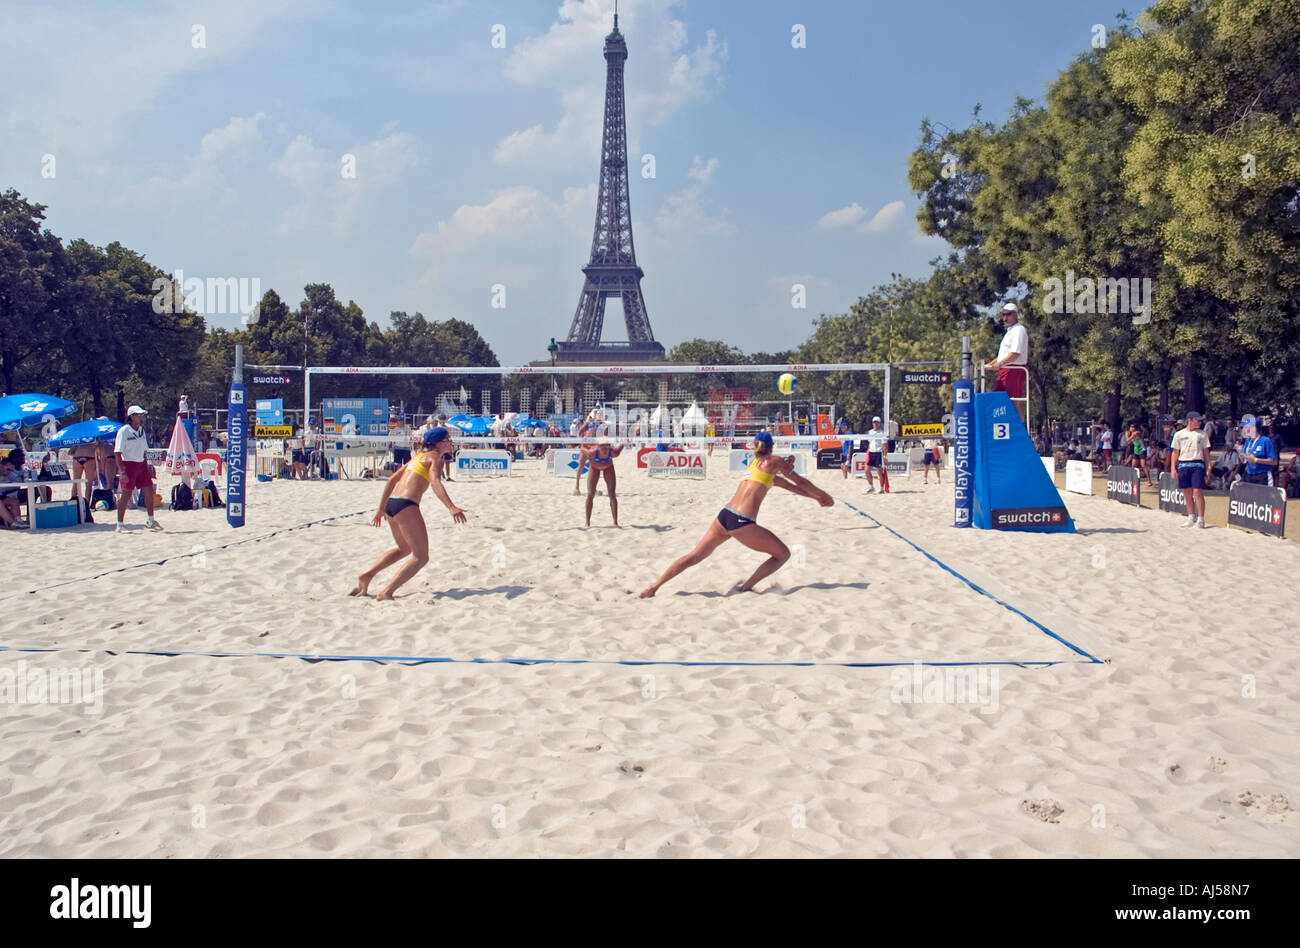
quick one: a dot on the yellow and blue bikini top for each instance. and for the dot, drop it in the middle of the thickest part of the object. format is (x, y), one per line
(418, 468)
(755, 473)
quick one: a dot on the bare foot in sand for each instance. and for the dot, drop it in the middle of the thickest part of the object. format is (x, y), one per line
(360, 588)
(649, 592)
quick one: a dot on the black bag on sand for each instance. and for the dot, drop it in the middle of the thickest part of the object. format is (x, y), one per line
(214, 498)
(182, 497)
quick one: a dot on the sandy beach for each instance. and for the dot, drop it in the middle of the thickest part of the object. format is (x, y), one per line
(1180, 742)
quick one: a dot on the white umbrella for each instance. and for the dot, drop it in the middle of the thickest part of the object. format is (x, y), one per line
(181, 459)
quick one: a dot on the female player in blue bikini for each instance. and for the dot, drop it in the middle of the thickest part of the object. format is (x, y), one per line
(738, 518)
(601, 458)
(401, 505)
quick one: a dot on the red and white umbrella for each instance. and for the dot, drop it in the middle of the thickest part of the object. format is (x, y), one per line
(181, 458)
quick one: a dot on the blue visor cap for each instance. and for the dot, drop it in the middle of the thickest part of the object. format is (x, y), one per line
(764, 439)
(434, 435)
(1248, 421)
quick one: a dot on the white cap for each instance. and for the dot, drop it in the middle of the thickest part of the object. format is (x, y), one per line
(875, 419)
(135, 410)
(1010, 308)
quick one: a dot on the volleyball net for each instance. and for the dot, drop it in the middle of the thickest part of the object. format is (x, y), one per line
(646, 403)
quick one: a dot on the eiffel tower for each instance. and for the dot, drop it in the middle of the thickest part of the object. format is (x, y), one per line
(612, 271)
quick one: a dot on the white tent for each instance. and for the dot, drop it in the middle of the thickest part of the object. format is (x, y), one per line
(694, 421)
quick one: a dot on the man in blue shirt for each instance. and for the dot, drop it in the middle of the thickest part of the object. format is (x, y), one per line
(1260, 453)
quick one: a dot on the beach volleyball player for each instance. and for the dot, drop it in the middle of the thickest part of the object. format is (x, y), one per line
(600, 457)
(401, 505)
(738, 518)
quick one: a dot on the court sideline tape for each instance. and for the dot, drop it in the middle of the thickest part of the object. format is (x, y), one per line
(182, 556)
(979, 589)
(313, 658)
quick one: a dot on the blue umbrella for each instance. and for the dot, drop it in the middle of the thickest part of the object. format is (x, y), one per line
(19, 411)
(86, 432)
(471, 424)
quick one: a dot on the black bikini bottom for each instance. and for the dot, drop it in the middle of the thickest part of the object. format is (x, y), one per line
(396, 505)
(731, 520)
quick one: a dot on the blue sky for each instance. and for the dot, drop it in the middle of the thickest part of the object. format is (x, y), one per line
(476, 166)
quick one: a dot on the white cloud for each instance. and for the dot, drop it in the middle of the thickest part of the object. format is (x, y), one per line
(329, 200)
(689, 213)
(701, 171)
(849, 216)
(205, 178)
(663, 75)
(885, 218)
(855, 216)
(510, 215)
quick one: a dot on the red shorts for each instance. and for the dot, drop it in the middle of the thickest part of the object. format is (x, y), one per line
(1012, 381)
(136, 476)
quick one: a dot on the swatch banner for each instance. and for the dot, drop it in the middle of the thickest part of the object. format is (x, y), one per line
(1171, 498)
(1257, 507)
(1124, 484)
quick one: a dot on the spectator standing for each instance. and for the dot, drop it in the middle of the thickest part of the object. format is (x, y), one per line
(1259, 452)
(1104, 445)
(1190, 450)
(1014, 351)
(877, 444)
(129, 448)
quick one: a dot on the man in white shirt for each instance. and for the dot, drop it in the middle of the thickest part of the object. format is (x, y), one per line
(1014, 351)
(877, 445)
(1190, 450)
(130, 446)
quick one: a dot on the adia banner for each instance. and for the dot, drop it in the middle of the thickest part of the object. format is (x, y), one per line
(1257, 507)
(1012, 489)
(1124, 484)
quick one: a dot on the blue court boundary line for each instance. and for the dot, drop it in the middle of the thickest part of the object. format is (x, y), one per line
(313, 658)
(183, 556)
(440, 660)
(979, 589)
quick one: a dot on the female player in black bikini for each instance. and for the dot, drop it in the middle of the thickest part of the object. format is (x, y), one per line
(737, 519)
(601, 458)
(401, 505)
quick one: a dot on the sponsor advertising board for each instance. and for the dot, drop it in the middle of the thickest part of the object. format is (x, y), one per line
(1257, 507)
(484, 462)
(273, 431)
(1019, 517)
(963, 461)
(923, 431)
(676, 464)
(739, 460)
(1171, 498)
(1124, 484)
(911, 377)
(1078, 477)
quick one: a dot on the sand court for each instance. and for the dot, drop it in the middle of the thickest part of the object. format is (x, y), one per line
(1184, 738)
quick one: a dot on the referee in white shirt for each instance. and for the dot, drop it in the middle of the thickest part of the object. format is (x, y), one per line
(1014, 351)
